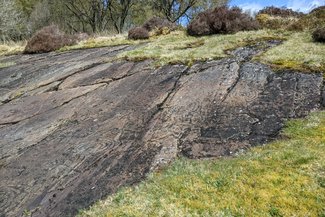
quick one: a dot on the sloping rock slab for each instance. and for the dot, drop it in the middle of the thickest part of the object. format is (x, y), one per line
(87, 131)
(239, 106)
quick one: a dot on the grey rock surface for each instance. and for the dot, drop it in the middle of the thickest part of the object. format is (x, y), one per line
(75, 127)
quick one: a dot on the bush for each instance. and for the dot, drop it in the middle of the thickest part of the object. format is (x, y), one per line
(319, 35)
(315, 19)
(319, 10)
(138, 33)
(200, 25)
(277, 22)
(48, 39)
(221, 20)
(157, 23)
(280, 18)
(280, 12)
(296, 26)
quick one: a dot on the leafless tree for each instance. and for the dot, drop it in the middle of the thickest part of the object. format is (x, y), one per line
(89, 12)
(11, 21)
(118, 11)
(173, 10)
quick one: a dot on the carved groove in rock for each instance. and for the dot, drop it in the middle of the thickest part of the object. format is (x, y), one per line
(75, 128)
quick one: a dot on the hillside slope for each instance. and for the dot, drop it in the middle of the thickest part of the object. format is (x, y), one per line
(76, 126)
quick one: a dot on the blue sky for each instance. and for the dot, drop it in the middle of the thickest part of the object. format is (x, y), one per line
(299, 5)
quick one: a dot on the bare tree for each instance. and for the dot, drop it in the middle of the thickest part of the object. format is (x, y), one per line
(98, 14)
(40, 16)
(11, 21)
(118, 12)
(91, 12)
(173, 10)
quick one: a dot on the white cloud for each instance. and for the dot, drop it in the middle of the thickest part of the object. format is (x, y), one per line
(251, 7)
(304, 5)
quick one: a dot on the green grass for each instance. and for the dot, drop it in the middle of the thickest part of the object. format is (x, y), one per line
(178, 47)
(284, 178)
(298, 52)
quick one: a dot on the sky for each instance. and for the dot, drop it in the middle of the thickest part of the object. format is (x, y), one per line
(298, 5)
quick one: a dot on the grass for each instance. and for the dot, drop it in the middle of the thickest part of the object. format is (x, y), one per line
(284, 178)
(178, 47)
(299, 52)
(102, 41)
(12, 48)
(6, 64)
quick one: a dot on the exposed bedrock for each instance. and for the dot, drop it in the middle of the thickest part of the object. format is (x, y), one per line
(75, 127)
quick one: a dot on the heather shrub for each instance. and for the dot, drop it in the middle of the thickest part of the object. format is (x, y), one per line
(159, 26)
(200, 25)
(280, 12)
(221, 20)
(158, 23)
(280, 18)
(315, 19)
(319, 11)
(48, 39)
(319, 35)
(138, 33)
(296, 26)
(276, 22)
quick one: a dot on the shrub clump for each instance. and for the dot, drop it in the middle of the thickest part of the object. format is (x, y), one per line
(280, 18)
(157, 23)
(296, 26)
(280, 12)
(315, 19)
(153, 27)
(319, 35)
(277, 22)
(138, 33)
(318, 10)
(48, 39)
(221, 20)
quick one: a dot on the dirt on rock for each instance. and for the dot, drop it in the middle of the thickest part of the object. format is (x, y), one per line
(75, 127)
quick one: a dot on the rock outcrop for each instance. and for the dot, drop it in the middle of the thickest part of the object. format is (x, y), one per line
(75, 127)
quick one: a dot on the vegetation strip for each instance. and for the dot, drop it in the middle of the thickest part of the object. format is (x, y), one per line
(178, 47)
(285, 178)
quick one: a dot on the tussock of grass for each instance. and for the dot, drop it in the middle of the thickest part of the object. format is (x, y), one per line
(11, 48)
(178, 47)
(102, 41)
(299, 52)
(285, 178)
